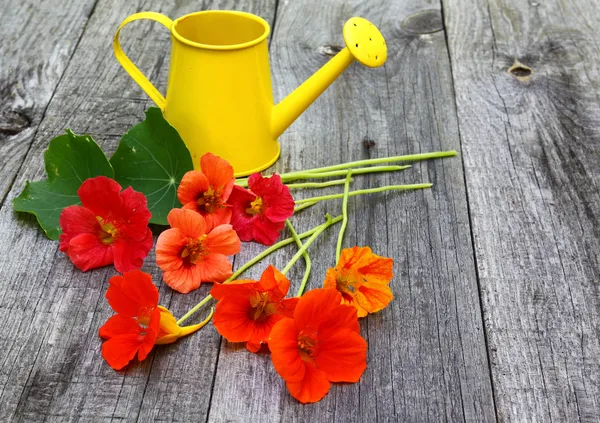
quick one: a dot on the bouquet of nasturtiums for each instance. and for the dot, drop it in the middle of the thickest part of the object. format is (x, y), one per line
(101, 218)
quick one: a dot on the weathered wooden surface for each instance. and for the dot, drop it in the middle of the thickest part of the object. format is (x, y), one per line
(529, 208)
(427, 358)
(531, 148)
(38, 41)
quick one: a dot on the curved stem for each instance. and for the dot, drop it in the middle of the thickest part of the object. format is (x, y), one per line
(305, 255)
(256, 259)
(365, 191)
(307, 244)
(312, 174)
(367, 162)
(317, 184)
(338, 248)
(304, 206)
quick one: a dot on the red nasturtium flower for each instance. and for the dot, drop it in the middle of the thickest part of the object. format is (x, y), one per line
(321, 344)
(247, 310)
(207, 191)
(259, 213)
(109, 227)
(188, 254)
(363, 279)
(140, 323)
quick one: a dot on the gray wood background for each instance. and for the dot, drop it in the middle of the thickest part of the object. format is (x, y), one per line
(497, 308)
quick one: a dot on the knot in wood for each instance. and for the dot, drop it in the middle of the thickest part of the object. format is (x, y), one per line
(424, 22)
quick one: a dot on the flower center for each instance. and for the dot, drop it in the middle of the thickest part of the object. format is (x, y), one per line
(194, 250)
(344, 286)
(261, 306)
(109, 232)
(256, 207)
(307, 345)
(210, 199)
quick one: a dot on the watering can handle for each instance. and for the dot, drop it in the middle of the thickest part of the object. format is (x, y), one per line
(128, 65)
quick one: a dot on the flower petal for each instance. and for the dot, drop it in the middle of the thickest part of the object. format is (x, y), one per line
(193, 184)
(190, 223)
(221, 216)
(183, 279)
(238, 288)
(130, 254)
(101, 196)
(119, 325)
(223, 240)
(266, 232)
(321, 309)
(312, 388)
(169, 246)
(120, 350)
(283, 343)
(132, 294)
(279, 204)
(151, 334)
(219, 173)
(214, 268)
(76, 220)
(241, 221)
(134, 215)
(373, 296)
(87, 251)
(231, 318)
(273, 279)
(343, 356)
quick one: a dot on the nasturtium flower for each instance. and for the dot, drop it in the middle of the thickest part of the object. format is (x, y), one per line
(207, 191)
(110, 226)
(140, 323)
(189, 254)
(259, 213)
(363, 279)
(247, 310)
(319, 345)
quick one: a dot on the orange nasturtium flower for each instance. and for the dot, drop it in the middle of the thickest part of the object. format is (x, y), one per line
(363, 279)
(207, 191)
(321, 344)
(188, 254)
(140, 323)
(247, 310)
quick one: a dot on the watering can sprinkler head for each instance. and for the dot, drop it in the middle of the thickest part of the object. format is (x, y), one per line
(364, 43)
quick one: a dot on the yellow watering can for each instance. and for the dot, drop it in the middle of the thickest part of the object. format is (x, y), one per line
(219, 94)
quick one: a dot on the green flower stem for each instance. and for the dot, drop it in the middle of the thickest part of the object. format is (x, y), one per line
(318, 184)
(366, 191)
(369, 162)
(305, 255)
(258, 258)
(304, 206)
(307, 244)
(338, 248)
(312, 174)
(308, 174)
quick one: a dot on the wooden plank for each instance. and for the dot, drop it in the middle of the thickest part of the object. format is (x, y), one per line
(531, 149)
(427, 358)
(49, 348)
(38, 41)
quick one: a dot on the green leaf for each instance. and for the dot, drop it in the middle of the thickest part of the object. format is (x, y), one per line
(69, 160)
(152, 158)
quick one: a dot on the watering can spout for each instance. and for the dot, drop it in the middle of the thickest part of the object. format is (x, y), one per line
(364, 43)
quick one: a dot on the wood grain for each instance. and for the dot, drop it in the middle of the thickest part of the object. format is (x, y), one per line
(531, 149)
(427, 359)
(38, 41)
(50, 351)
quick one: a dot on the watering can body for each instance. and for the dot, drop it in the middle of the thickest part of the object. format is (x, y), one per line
(219, 94)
